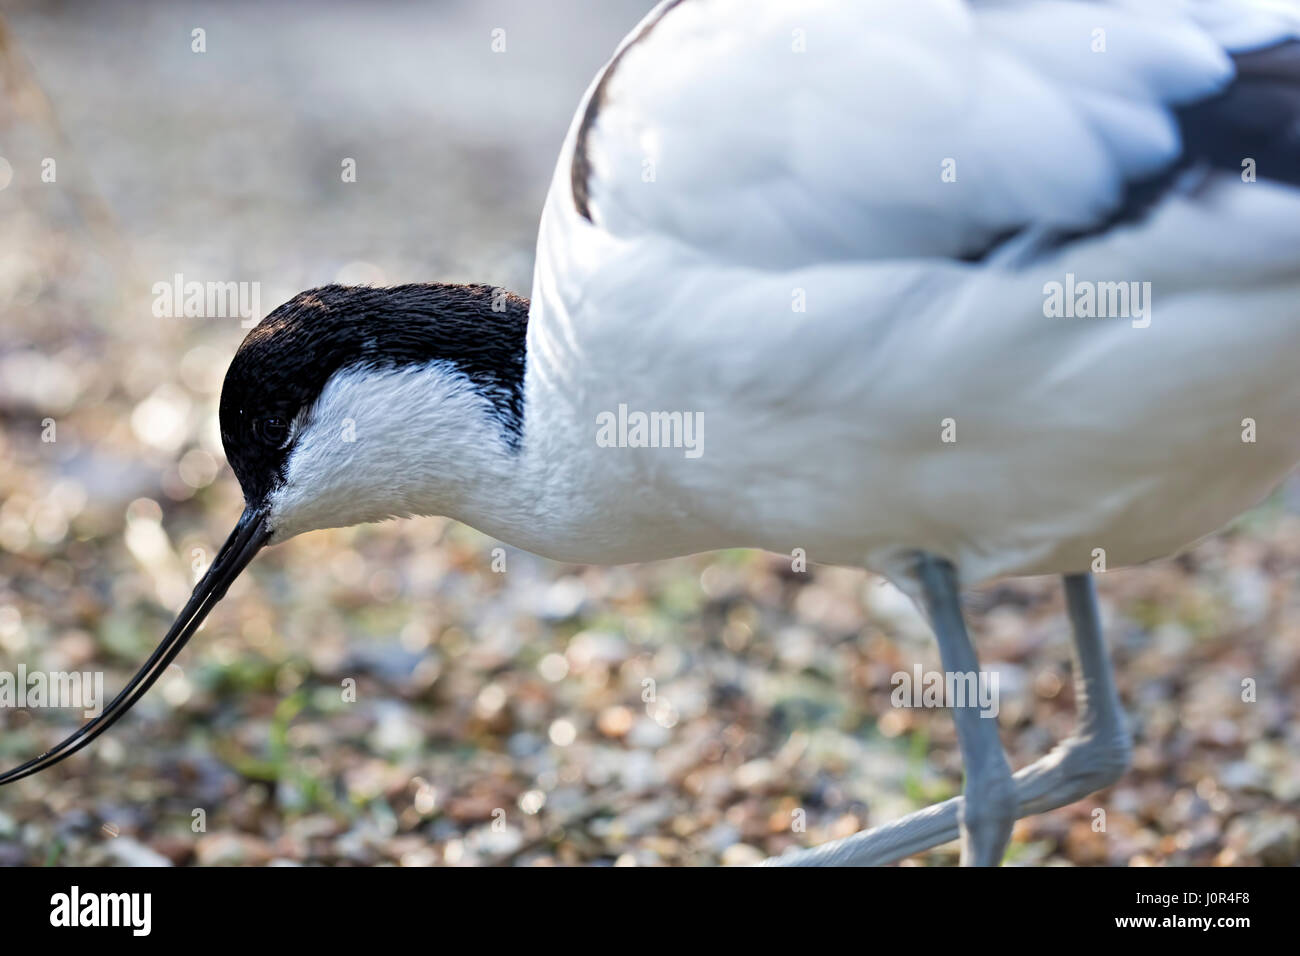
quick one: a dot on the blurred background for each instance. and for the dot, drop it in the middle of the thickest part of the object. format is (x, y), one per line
(707, 710)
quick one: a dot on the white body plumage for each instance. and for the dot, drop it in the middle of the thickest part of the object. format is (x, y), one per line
(788, 271)
(779, 244)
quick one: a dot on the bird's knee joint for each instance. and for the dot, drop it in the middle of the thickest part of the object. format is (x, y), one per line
(1114, 758)
(1095, 763)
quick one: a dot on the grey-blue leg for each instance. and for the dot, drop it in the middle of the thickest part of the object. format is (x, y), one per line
(1092, 758)
(1097, 753)
(989, 795)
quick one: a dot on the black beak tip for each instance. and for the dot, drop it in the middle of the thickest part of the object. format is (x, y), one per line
(251, 533)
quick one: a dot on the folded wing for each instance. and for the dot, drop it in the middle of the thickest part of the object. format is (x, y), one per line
(778, 135)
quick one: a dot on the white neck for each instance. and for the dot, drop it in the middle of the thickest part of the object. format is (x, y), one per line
(421, 440)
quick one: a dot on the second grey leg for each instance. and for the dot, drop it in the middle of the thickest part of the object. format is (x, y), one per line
(1097, 753)
(989, 795)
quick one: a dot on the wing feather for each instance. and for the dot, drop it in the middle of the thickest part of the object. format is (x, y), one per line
(778, 135)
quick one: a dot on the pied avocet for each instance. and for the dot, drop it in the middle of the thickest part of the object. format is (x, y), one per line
(947, 290)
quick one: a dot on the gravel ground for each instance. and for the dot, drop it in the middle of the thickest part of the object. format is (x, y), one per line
(686, 712)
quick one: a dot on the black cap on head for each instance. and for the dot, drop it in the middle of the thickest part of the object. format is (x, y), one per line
(285, 361)
(280, 369)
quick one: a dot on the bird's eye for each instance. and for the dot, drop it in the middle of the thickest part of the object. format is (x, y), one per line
(273, 431)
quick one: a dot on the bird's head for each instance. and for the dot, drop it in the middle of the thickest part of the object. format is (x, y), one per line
(348, 405)
(354, 404)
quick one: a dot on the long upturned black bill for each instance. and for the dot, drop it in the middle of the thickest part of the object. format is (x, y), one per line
(244, 542)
